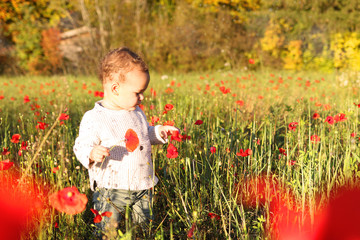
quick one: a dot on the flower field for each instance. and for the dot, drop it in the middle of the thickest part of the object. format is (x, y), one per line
(259, 155)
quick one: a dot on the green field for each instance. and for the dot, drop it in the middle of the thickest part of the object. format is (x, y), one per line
(239, 110)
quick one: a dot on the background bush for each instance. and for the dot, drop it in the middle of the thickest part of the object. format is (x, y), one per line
(184, 36)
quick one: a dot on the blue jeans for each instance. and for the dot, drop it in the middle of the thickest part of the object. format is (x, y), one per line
(116, 201)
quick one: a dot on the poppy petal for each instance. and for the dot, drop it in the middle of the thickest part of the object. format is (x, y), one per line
(107, 214)
(97, 219)
(131, 140)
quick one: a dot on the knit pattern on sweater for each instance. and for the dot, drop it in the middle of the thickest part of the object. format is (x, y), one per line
(122, 169)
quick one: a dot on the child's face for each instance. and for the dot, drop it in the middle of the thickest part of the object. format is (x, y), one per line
(128, 94)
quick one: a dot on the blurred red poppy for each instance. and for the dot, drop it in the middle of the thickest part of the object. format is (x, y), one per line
(213, 149)
(131, 140)
(15, 138)
(172, 151)
(199, 122)
(293, 125)
(245, 153)
(329, 120)
(340, 117)
(55, 169)
(175, 136)
(98, 216)
(98, 94)
(155, 119)
(26, 99)
(315, 139)
(24, 145)
(42, 125)
(6, 164)
(168, 107)
(340, 218)
(240, 102)
(316, 116)
(282, 151)
(21, 207)
(68, 200)
(5, 151)
(190, 233)
(251, 61)
(64, 116)
(214, 216)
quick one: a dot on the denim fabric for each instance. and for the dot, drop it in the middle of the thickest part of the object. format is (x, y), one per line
(116, 201)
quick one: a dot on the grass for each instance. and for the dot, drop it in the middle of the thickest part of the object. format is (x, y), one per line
(197, 182)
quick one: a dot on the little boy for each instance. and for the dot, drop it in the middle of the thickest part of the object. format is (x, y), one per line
(120, 178)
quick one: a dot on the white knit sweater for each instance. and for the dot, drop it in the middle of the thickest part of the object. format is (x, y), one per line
(122, 169)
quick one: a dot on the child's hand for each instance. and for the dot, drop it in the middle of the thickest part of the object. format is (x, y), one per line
(98, 154)
(165, 129)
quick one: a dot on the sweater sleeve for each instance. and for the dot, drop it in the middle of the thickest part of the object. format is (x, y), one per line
(87, 139)
(154, 135)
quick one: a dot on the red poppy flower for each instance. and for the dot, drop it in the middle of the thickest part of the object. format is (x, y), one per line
(26, 99)
(56, 225)
(24, 145)
(172, 151)
(340, 117)
(329, 120)
(98, 94)
(251, 61)
(64, 116)
(168, 107)
(153, 92)
(353, 134)
(199, 122)
(21, 207)
(69, 201)
(340, 217)
(5, 151)
(214, 216)
(15, 138)
(169, 90)
(175, 136)
(293, 125)
(98, 216)
(185, 137)
(6, 164)
(42, 125)
(282, 151)
(155, 119)
(55, 169)
(245, 153)
(291, 162)
(131, 140)
(240, 102)
(213, 149)
(1, 97)
(316, 116)
(190, 233)
(315, 139)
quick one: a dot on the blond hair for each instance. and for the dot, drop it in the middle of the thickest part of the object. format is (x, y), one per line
(120, 60)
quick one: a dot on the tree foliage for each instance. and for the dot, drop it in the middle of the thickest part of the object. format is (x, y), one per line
(189, 35)
(24, 21)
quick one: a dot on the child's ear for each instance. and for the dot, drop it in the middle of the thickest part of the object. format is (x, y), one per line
(115, 88)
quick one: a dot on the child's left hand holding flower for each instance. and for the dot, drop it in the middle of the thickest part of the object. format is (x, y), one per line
(164, 131)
